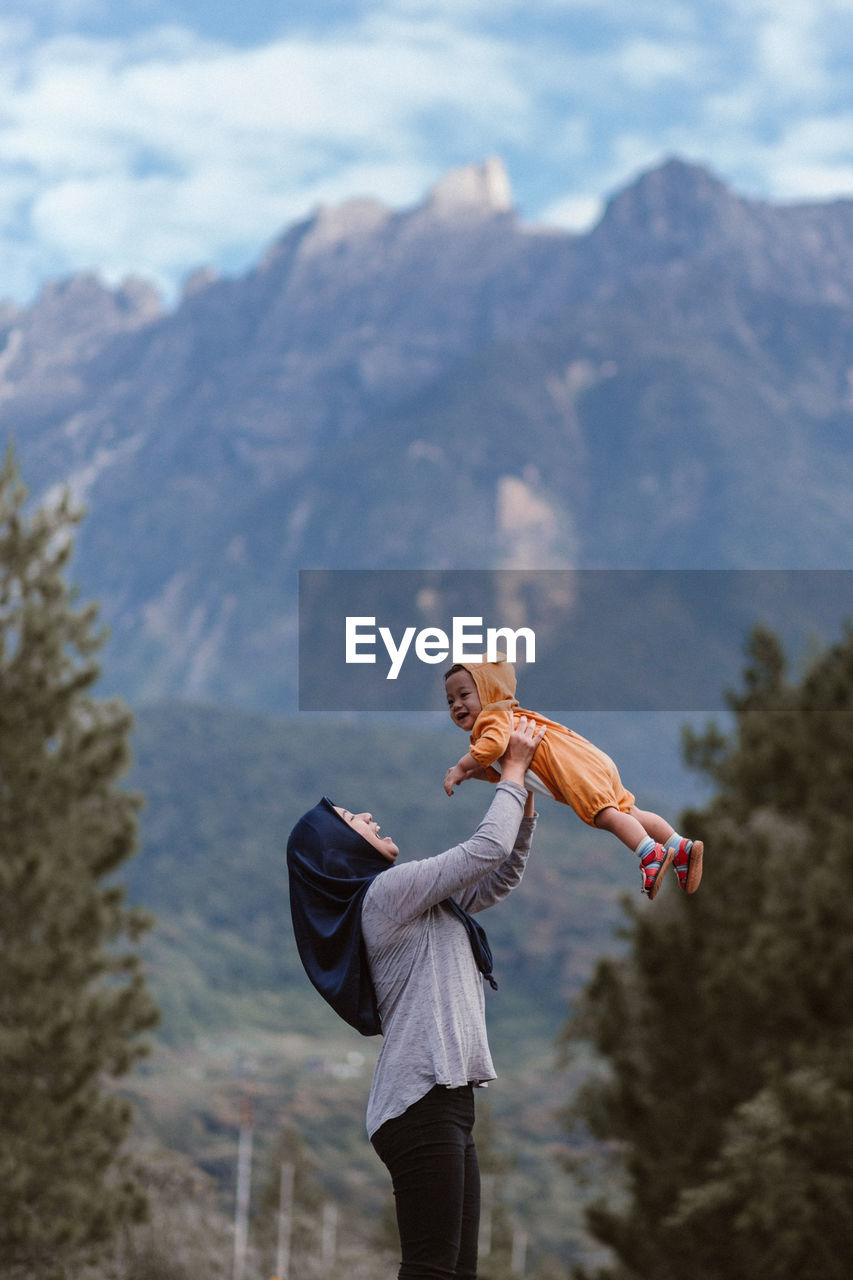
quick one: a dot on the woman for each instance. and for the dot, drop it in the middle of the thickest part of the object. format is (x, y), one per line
(394, 949)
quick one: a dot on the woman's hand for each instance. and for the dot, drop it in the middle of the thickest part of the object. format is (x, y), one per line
(524, 738)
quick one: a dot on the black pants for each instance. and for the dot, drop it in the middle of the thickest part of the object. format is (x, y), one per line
(429, 1151)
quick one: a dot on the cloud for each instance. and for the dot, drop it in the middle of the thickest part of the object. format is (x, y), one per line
(758, 91)
(160, 151)
(142, 154)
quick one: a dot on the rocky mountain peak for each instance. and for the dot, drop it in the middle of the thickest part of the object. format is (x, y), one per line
(326, 230)
(71, 320)
(351, 220)
(678, 207)
(481, 189)
(85, 300)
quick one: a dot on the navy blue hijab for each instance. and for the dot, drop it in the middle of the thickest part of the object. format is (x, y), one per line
(330, 868)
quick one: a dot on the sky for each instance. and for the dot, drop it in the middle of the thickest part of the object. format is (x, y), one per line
(157, 137)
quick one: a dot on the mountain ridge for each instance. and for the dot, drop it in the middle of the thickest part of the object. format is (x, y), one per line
(441, 386)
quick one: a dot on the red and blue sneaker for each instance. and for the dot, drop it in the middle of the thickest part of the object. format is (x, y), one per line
(687, 861)
(653, 868)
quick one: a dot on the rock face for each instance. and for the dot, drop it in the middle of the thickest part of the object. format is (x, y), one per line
(441, 387)
(475, 191)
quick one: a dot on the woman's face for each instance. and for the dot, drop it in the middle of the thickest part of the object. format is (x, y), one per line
(369, 830)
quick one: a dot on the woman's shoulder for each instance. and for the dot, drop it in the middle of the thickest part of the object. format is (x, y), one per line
(390, 887)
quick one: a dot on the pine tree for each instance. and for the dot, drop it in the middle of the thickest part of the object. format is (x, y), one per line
(725, 1029)
(73, 999)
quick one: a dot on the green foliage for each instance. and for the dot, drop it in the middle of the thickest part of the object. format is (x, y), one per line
(777, 1199)
(72, 1000)
(725, 1031)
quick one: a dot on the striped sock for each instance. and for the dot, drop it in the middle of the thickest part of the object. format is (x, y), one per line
(645, 846)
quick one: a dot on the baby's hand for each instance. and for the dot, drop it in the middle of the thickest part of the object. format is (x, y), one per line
(453, 778)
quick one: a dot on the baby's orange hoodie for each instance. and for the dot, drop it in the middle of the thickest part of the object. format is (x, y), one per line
(574, 771)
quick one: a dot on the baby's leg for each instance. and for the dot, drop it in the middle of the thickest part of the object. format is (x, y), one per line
(627, 827)
(653, 824)
(632, 830)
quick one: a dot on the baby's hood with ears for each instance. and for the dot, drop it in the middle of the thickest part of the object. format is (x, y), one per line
(495, 681)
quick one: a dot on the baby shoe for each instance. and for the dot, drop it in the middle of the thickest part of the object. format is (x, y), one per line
(653, 868)
(688, 864)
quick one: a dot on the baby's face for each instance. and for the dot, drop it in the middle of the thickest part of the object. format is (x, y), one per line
(463, 701)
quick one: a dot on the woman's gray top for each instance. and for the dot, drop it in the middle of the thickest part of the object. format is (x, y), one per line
(428, 987)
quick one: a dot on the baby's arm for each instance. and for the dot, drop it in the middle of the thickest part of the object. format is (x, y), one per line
(495, 726)
(458, 773)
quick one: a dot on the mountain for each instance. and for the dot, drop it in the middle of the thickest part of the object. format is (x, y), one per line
(441, 386)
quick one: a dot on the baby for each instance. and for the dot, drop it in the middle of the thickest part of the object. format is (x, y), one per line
(481, 699)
